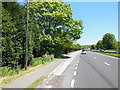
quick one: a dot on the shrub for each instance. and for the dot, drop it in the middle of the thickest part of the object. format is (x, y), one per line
(42, 60)
(4, 71)
(36, 61)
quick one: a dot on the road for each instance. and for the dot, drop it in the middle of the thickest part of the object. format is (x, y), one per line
(91, 70)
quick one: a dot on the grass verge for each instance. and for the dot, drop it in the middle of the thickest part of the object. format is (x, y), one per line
(111, 54)
(36, 83)
(9, 79)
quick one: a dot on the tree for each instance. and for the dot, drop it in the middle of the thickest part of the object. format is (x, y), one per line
(93, 46)
(53, 26)
(52, 30)
(99, 45)
(109, 41)
(13, 34)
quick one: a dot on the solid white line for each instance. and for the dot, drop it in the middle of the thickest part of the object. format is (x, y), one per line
(48, 86)
(106, 63)
(75, 68)
(72, 83)
(75, 73)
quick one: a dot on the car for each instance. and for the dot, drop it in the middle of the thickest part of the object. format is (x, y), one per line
(101, 50)
(83, 51)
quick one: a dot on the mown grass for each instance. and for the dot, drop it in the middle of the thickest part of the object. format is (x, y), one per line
(36, 83)
(5, 80)
(111, 54)
(112, 50)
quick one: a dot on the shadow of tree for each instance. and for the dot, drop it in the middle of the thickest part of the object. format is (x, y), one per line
(65, 57)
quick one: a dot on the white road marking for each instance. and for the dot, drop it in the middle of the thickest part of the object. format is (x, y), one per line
(47, 82)
(72, 83)
(64, 64)
(78, 61)
(48, 86)
(94, 57)
(76, 64)
(75, 68)
(75, 73)
(106, 63)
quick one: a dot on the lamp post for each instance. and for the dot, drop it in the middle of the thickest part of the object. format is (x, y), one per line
(26, 61)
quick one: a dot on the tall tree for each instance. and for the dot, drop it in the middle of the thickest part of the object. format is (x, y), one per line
(93, 46)
(13, 34)
(99, 45)
(109, 41)
(54, 27)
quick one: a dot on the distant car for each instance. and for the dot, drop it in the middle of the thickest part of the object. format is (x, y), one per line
(102, 50)
(83, 51)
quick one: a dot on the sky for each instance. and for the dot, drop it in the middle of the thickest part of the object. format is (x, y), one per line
(98, 19)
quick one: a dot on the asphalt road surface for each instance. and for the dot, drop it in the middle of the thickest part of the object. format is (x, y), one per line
(91, 70)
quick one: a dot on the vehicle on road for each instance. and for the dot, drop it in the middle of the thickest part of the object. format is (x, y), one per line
(101, 50)
(83, 51)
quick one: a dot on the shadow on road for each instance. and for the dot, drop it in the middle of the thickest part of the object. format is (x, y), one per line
(65, 57)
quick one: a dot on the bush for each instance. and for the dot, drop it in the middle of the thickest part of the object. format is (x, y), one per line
(42, 60)
(4, 71)
(36, 61)
(47, 58)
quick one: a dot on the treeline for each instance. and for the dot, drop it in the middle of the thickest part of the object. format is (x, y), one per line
(108, 42)
(52, 31)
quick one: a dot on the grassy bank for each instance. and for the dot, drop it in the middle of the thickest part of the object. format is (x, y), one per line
(112, 50)
(111, 54)
(36, 83)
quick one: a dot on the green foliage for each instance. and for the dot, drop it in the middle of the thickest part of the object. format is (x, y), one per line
(99, 44)
(42, 60)
(109, 41)
(36, 83)
(118, 46)
(52, 24)
(36, 61)
(5, 71)
(52, 31)
(13, 34)
(93, 46)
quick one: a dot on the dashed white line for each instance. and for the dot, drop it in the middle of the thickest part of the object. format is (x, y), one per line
(106, 63)
(75, 73)
(94, 57)
(75, 68)
(72, 83)
(76, 64)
